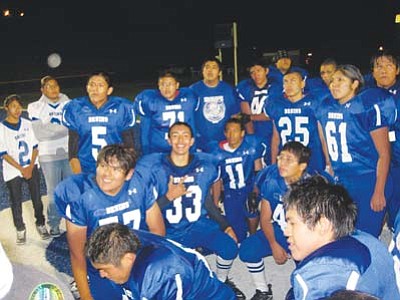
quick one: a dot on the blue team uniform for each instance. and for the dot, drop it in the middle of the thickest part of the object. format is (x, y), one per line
(166, 270)
(157, 114)
(272, 189)
(317, 87)
(97, 127)
(394, 137)
(357, 262)
(80, 201)
(186, 218)
(257, 98)
(296, 121)
(351, 149)
(237, 174)
(276, 77)
(216, 105)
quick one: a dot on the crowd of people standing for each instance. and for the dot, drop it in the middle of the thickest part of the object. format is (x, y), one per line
(279, 165)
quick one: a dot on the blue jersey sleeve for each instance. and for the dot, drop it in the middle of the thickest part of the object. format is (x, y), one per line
(380, 109)
(69, 113)
(68, 193)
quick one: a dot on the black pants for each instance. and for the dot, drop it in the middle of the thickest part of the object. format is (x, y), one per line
(15, 188)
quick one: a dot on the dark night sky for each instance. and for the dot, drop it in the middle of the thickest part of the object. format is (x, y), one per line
(136, 35)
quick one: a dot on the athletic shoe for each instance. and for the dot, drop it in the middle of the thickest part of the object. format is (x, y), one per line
(259, 295)
(21, 237)
(239, 294)
(42, 230)
(55, 232)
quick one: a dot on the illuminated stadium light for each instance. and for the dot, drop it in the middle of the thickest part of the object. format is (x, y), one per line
(6, 13)
(397, 19)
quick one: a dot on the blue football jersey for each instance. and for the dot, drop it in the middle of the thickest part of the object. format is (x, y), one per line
(354, 262)
(317, 88)
(165, 270)
(160, 113)
(216, 106)
(296, 121)
(97, 127)
(257, 98)
(93, 208)
(276, 77)
(347, 129)
(237, 167)
(182, 212)
(394, 134)
(272, 189)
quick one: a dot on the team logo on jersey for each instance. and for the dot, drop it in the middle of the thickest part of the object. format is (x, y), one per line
(347, 105)
(214, 109)
(307, 103)
(200, 170)
(48, 291)
(132, 191)
(112, 111)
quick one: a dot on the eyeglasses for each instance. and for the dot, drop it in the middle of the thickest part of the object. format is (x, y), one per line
(287, 159)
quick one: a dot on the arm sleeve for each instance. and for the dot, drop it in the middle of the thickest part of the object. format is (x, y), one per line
(73, 144)
(162, 201)
(127, 138)
(144, 134)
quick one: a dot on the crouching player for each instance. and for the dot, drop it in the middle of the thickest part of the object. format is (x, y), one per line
(148, 266)
(292, 162)
(115, 194)
(331, 254)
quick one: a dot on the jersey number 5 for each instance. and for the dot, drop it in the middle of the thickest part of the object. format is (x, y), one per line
(97, 141)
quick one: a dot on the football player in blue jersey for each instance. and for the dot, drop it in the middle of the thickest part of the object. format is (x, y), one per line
(331, 255)
(354, 127)
(114, 194)
(269, 240)
(282, 63)
(147, 266)
(319, 86)
(253, 94)
(95, 121)
(294, 119)
(385, 69)
(184, 181)
(240, 157)
(160, 108)
(218, 101)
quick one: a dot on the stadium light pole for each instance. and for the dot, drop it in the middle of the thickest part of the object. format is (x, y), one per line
(235, 44)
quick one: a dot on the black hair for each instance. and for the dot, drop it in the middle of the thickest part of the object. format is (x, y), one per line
(126, 157)
(109, 243)
(314, 198)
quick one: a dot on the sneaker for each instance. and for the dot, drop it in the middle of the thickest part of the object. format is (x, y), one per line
(239, 294)
(55, 232)
(42, 230)
(21, 237)
(259, 295)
